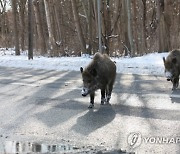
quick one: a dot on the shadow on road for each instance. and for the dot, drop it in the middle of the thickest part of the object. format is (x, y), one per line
(147, 113)
(93, 120)
(40, 97)
(60, 113)
(175, 96)
(140, 85)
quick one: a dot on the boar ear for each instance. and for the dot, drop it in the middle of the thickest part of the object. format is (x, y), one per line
(174, 60)
(164, 60)
(81, 69)
(93, 72)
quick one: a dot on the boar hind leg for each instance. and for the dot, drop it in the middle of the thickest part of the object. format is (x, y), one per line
(108, 94)
(103, 99)
(175, 83)
(91, 105)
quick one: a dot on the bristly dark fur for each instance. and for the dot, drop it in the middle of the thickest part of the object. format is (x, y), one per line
(172, 65)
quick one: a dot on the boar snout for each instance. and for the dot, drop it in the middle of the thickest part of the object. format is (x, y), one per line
(168, 76)
(84, 92)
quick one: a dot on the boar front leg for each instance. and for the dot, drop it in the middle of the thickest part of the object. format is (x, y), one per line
(91, 100)
(103, 99)
(175, 83)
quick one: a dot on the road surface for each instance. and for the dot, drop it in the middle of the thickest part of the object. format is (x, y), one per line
(45, 110)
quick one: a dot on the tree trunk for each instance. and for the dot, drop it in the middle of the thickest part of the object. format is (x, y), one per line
(40, 27)
(50, 30)
(129, 29)
(163, 31)
(107, 26)
(22, 6)
(59, 11)
(90, 7)
(30, 30)
(124, 24)
(78, 26)
(15, 22)
(57, 20)
(116, 16)
(144, 33)
(88, 14)
(3, 22)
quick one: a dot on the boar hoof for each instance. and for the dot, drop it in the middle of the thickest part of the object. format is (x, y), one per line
(174, 88)
(103, 100)
(107, 103)
(90, 106)
(102, 103)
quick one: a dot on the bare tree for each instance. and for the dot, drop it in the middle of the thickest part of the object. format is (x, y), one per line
(3, 22)
(88, 10)
(64, 27)
(22, 12)
(51, 41)
(16, 32)
(39, 23)
(144, 31)
(106, 25)
(30, 30)
(59, 16)
(163, 30)
(130, 37)
(78, 26)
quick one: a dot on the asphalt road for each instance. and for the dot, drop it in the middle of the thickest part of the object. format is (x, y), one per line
(45, 110)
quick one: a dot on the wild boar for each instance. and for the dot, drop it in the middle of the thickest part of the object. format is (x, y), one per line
(99, 74)
(172, 67)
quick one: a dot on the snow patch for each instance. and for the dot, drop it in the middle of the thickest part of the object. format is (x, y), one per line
(150, 64)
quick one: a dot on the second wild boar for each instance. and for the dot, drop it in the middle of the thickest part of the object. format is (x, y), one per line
(172, 67)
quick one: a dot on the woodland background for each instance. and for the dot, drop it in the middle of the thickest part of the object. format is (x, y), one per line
(69, 27)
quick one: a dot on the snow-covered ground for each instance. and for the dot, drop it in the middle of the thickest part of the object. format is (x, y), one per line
(151, 64)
